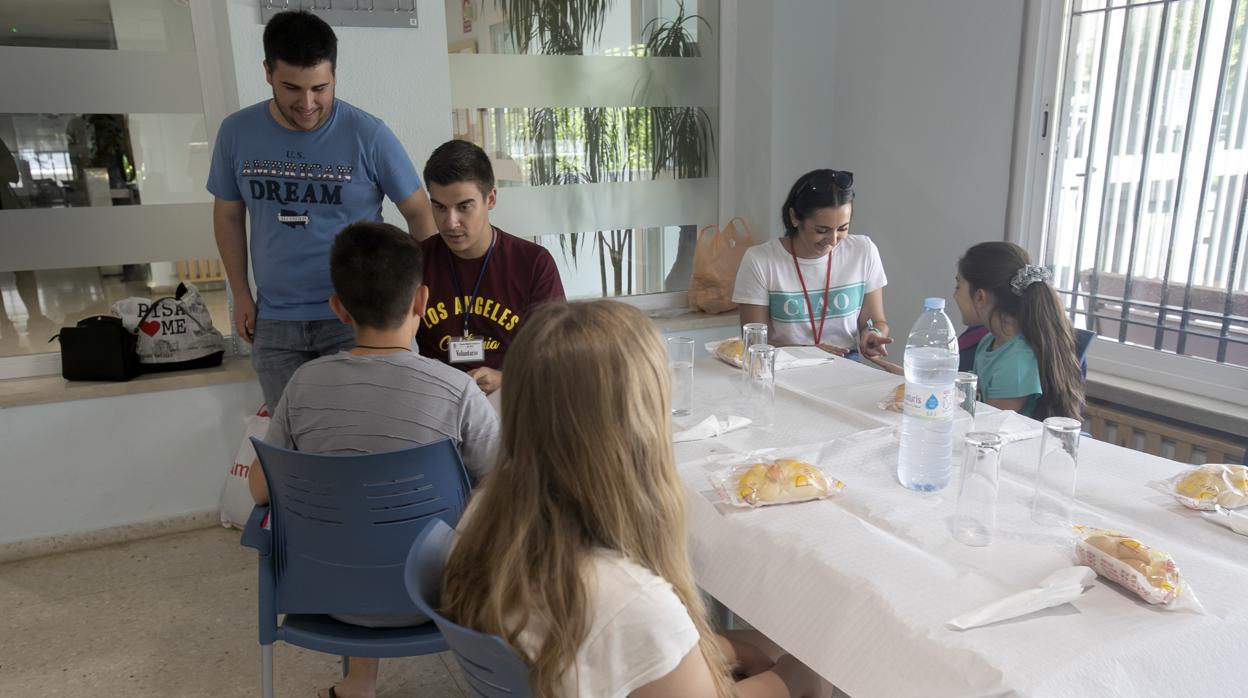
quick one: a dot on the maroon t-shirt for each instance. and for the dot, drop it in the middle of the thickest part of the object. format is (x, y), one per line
(520, 275)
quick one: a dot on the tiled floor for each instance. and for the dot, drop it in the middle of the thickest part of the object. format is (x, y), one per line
(169, 616)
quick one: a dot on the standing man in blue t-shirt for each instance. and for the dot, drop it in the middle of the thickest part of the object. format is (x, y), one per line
(304, 166)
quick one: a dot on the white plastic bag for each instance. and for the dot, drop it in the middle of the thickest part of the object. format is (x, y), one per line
(236, 502)
(171, 330)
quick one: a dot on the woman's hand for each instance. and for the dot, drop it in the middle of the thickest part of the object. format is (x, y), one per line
(873, 345)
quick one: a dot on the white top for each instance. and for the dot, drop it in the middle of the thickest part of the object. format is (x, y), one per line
(767, 278)
(638, 631)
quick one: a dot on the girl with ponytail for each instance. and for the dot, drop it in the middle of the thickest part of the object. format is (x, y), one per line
(1027, 362)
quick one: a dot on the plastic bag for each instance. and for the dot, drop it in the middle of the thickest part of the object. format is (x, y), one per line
(236, 502)
(731, 351)
(716, 259)
(1208, 486)
(780, 481)
(1152, 574)
(895, 400)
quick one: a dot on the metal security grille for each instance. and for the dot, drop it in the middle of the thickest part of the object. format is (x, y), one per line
(1146, 229)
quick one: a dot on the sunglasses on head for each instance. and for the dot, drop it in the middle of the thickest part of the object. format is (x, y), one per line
(830, 179)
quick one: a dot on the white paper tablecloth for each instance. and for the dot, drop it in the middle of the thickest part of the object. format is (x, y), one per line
(859, 587)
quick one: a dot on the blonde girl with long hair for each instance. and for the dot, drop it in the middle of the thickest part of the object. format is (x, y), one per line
(574, 548)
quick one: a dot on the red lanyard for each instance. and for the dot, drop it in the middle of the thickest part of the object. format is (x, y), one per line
(827, 281)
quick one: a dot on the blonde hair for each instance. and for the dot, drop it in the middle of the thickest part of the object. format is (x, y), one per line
(585, 463)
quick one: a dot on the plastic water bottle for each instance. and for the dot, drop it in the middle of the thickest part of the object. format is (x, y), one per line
(926, 457)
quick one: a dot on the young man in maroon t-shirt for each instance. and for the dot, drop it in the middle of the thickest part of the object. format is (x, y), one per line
(482, 281)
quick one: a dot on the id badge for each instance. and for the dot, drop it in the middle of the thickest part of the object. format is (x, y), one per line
(467, 351)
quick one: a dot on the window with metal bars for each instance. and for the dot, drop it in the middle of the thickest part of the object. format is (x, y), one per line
(1146, 224)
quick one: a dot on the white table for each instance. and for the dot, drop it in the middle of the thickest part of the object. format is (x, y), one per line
(859, 587)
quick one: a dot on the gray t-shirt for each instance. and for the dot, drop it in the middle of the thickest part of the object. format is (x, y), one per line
(352, 403)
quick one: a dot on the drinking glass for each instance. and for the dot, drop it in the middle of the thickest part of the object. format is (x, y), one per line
(1055, 471)
(760, 364)
(976, 517)
(751, 333)
(680, 364)
(965, 385)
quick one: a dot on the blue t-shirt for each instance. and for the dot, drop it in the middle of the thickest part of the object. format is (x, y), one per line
(1009, 371)
(301, 188)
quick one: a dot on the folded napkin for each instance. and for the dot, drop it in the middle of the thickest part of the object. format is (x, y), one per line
(710, 427)
(1010, 426)
(1233, 520)
(797, 357)
(1061, 587)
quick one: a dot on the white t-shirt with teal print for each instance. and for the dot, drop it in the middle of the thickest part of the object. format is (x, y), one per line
(767, 277)
(1008, 371)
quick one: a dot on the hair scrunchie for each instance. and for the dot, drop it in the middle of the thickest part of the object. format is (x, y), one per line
(1028, 275)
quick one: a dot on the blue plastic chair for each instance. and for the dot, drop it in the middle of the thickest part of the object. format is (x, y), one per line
(491, 668)
(340, 532)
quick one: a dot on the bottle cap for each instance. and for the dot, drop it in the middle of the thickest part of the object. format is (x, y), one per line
(933, 303)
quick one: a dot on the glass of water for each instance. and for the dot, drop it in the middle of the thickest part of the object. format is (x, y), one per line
(760, 372)
(1055, 472)
(680, 365)
(976, 518)
(965, 385)
(751, 333)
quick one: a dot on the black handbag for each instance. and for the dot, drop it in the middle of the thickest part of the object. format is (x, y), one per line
(98, 348)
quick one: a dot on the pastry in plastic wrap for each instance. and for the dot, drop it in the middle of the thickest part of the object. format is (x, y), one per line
(895, 400)
(1150, 573)
(730, 351)
(1209, 486)
(780, 481)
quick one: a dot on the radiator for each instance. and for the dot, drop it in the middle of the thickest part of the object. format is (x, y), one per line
(1174, 440)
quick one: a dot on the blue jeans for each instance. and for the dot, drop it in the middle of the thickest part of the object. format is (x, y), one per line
(281, 346)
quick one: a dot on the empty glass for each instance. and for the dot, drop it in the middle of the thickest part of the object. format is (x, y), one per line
(751, 333)
(965, 385)
(680, 364)
(760, 371)
(976, 518)
(1055, 472)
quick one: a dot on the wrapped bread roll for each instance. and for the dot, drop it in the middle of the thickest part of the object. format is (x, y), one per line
(1209, 486)
(895, 400)
(781, 481)
(731, 351)
(1150, 573)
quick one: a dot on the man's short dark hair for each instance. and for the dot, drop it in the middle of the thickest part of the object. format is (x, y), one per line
(376, 269)
(460, 161)
(299, 38)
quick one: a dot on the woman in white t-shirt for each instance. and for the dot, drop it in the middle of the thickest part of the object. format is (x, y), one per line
(574, 548)
(818, 285)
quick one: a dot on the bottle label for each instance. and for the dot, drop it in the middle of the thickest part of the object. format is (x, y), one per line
(925, 402)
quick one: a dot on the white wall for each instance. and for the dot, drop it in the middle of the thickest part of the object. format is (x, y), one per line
(85, 465)
(923, 116)
(399, 75)
(803, 133)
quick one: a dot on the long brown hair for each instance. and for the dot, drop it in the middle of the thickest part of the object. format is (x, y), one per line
(585, 463)
(992, 266)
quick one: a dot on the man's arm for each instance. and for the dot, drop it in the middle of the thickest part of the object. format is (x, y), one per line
(229, 224)
(418, 214)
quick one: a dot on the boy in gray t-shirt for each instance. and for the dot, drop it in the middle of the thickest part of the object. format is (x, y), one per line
(381, 395)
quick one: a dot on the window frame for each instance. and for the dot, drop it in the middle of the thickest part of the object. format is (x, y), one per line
(1041, 68)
